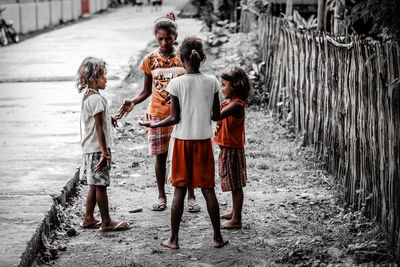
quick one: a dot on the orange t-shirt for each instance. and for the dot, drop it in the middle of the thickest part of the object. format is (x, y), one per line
(162, 70)
(230, 132)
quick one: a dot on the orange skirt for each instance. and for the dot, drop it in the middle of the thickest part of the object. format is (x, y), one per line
(193, 164)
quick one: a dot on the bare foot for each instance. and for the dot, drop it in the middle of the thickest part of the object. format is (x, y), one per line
(227, 216)
(114, 226)
(231, 225)
(220, 244)
(169, 244)
(93, 223)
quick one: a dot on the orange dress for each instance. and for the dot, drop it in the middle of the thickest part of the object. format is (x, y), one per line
(230, 131)
(231, 160)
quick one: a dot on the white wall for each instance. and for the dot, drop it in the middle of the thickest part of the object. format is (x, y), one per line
(55, 12)
(92, 6)
(66, 7)
(99, 5)
(28, 15)
(105, 4)
(11, 13)
(76, 9)
(43, 15)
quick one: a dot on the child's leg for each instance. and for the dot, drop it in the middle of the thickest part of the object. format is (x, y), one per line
(213, 211)
(227, 216)
(102, 201)
(191, 196)
(236, 221)
(90, 205)
(176, 215)
(193, 206)
(160, 168)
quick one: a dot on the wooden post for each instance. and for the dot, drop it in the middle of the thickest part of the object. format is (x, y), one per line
(289, 8)
(339, 27)
(321, 15)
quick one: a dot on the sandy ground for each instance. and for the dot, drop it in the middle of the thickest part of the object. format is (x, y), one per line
(292, 214)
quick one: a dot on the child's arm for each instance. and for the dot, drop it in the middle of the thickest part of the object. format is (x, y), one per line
(235, 109)
(98, 119)
(114, 121)
(173, 119)
(216, 108)
(128, 105)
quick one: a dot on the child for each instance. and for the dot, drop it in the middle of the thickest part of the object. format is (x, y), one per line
(160, 67)
(230, 136)
(95, 141)
(194, 103)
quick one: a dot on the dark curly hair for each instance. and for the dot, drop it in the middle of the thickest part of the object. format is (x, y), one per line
(90, 70)
(191, 50)
(239, 82)
(166, 23)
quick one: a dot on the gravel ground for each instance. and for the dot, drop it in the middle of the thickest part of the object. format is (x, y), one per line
(292, 214)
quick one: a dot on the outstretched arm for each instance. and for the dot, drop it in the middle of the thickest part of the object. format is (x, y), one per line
(128, 105)
(173, 119)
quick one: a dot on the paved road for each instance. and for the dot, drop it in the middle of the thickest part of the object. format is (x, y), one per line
(39, 130)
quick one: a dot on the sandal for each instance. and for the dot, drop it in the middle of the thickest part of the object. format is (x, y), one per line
(193, 207)
(159, 206)
(118, 227)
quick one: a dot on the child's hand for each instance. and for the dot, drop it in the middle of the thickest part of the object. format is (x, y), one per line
(145, 123)
(126, 107)
(114, 120)
(216, 129)
(102, 164)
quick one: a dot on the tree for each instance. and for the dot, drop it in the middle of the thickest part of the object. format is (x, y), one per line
(379, 18)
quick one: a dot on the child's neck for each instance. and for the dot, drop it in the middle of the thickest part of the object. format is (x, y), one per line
(191, 71)
(94, 88)
(232, 97)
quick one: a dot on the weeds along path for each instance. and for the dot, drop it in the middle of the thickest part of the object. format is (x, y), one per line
(290, 214)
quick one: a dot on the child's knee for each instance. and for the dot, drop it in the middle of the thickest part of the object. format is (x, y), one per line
(101, 188)
(208, 192)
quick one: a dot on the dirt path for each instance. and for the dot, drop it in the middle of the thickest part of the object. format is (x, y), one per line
(291, 213)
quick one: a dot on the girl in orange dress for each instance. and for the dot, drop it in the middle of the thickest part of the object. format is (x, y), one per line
(230, 136)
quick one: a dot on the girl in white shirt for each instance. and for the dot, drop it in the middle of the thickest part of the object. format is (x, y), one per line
(95, 142)
(194, 104)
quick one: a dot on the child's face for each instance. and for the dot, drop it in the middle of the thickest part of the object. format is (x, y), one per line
(226, 89)
(165, 40)
(101, 82)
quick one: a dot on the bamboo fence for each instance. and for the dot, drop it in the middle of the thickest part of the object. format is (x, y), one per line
(345, 100)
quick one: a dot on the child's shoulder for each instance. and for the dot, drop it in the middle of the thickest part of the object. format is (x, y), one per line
(94, 99)
(152, 55)
(210, 77)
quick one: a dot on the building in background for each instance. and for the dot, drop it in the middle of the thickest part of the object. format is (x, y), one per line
(33, 15)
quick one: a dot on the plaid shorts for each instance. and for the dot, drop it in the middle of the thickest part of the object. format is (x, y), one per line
(232, 168)
(87, 174)
(158, 137)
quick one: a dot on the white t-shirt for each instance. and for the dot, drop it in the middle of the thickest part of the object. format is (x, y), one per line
(196, 96)
(91, 106)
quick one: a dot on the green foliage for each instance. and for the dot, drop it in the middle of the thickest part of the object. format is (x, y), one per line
(384, 15)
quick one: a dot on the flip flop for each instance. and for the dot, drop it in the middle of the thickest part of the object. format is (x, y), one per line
(91, 226)
(193, 207)
(159, 206)
(116, 228)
